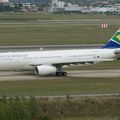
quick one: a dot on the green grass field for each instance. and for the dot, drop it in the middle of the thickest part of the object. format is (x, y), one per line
(60, 86)
(54, 34)
(23, 29)
(38, 16)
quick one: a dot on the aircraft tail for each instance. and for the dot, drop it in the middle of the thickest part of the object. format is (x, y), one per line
(114, 42)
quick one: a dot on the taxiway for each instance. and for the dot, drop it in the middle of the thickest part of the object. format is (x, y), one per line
(48, 47)
(14, 76)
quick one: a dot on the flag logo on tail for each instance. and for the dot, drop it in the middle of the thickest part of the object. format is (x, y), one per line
(118, 37)
(114, 42)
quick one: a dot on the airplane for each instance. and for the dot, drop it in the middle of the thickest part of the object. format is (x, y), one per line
(52, 62)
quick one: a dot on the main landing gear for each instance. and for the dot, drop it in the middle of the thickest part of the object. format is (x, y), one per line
(61, 73)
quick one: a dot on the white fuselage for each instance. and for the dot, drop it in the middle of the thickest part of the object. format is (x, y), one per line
(27, 60)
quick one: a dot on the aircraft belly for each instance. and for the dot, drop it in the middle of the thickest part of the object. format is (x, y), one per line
(13, 65)
(6, 65)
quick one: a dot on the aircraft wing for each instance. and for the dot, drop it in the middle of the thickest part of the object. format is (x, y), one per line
(60, 64)
(81, 62)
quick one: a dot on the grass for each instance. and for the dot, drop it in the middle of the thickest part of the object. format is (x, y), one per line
(25, 30)
(54, 34)
(93, 118)
(60, 86)
(38, 16)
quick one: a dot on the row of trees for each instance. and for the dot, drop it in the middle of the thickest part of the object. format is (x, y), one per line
(8, 7)
(72, 1)
(16, 7)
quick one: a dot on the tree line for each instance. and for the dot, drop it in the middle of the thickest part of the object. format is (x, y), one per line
(8, 7)
(70, 1)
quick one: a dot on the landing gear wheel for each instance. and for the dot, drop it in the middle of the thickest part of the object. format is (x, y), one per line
(61, 73)
(58, 74)
(64, 73)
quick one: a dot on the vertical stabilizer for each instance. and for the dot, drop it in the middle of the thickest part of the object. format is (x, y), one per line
(114, 42)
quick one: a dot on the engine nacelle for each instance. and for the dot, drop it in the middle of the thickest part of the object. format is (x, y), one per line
(45, 70)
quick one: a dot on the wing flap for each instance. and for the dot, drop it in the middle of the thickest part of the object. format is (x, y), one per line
(59, 64)
(82, 63)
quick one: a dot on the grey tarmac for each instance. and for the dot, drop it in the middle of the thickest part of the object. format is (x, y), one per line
(70, 96)
(67, 21)
(47, 47)
(28, 75)
(95, 73)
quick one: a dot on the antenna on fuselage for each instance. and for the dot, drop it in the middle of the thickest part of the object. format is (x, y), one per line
(41, 49)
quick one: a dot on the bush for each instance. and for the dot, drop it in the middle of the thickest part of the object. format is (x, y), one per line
(17, 108)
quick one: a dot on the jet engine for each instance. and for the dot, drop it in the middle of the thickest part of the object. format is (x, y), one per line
(45, 70)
